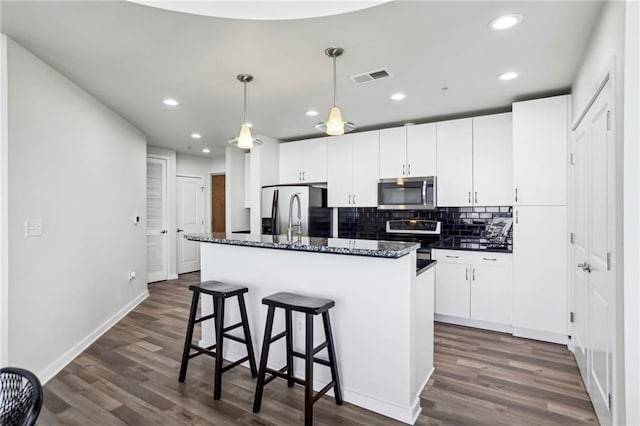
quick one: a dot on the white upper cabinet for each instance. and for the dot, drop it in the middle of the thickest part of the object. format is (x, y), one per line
(421, 150)
(303, 161)
(408, 151)
(492, 160)
(393, 152)
(454, 162)
(352, 178)
(540, 156)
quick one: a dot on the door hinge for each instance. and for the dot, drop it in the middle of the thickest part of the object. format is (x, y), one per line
(572, 158)
(572, 238)
(608, 261)
(608, 120)
(610, 402)
(572, 317)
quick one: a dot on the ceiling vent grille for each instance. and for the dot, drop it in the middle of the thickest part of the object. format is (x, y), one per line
(370, 76)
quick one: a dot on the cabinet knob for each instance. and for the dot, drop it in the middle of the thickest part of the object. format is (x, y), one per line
(303, 178)
(475, 200)
(466, 274)
(404, 166)
(353, 198)
(409, 169)
(516, 195)
(469, 197)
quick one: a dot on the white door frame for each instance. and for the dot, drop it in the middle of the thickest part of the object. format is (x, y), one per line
(178, 203)
(166, 210)
(4, 208)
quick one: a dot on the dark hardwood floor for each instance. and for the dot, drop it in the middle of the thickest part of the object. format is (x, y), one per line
(130, 376)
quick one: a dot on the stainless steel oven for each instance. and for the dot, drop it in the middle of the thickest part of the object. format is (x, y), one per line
(415, 193)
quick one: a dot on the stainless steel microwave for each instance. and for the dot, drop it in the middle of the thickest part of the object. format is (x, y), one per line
(414, 193)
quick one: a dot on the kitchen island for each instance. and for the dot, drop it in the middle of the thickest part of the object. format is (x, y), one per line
(382, 320)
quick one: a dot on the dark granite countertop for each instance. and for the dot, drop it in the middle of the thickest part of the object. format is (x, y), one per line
(472, 244)
(371, 248)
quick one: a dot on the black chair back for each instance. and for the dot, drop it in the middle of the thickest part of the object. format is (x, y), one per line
(20, 397)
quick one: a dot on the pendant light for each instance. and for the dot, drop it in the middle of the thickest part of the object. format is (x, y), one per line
(335, 126)
(244, 140)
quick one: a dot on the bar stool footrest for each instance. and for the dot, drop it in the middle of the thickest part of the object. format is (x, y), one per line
(318, 360)
(322, 391)
(204, 318)
(200, 350)
(280, 373)
(235, 363)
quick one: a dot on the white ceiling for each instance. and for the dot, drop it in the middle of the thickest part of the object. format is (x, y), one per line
(132, 56)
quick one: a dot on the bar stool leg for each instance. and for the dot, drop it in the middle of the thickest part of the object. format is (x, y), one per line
(257, 400)
(308, 376)
(331, 350)
(217, 387)
(247, 335)
(289, 329)
(187, 343)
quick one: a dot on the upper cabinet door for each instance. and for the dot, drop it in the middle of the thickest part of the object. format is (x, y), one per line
(540, 155)
(366, 155)
(492, 160)
(339, 173)
(290, 163)
(393, 152)
(314, 168)
(454, 162)
(421, 150)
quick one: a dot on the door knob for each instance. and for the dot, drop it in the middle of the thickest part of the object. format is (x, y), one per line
(164, 231)
(180, 230)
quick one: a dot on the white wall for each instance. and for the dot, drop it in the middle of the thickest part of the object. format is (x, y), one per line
(4, 216)
(632, 212)
(190, 165)
(604, 53)
(170, 156)
(80, 168)
(236, 215)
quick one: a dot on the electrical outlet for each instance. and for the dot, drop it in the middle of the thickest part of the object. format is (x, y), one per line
(32, 228)
(132, 275)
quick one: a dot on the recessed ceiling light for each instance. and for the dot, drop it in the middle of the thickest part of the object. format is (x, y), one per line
(196, 135)
(170, 102)
(206, 150)
(398, 96)
(312, 113)
(505, 22)
(508, 76)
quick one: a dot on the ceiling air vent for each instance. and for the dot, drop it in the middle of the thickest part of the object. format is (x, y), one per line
(371, 76)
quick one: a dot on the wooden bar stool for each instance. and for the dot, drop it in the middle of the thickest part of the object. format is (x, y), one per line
(311, 307)
(220, 292)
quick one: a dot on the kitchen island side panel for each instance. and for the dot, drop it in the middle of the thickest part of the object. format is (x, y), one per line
(372, 318)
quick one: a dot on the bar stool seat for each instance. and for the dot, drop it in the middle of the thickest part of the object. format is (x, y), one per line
(220, 291)
(311, 307)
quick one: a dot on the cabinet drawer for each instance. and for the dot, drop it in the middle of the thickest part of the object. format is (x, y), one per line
(452, 256)
(490, 259)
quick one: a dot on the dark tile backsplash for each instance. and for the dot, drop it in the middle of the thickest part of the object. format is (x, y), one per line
(370, 223)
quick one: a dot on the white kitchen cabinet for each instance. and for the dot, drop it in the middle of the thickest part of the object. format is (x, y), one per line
(540, 272)
(454, 163)
(492, 160)
(540, 156)
(303, 161)
(353, 170)
(452, 289)
(408, 151)
(474, 285)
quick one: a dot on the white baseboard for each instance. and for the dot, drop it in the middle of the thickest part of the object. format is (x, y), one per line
(545, 336)
(172, 277)
(503, 328)
(55, 367)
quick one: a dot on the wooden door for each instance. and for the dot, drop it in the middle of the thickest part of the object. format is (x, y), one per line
(218, 205)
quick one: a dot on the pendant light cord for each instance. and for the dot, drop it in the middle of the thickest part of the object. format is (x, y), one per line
(245, 103)
(334, 81)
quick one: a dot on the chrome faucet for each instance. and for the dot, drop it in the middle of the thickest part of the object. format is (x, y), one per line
(299, 224)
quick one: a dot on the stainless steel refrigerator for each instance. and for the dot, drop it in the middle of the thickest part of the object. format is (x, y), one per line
(276, 199)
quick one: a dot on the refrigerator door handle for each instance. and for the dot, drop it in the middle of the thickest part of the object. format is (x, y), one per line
(274, 213)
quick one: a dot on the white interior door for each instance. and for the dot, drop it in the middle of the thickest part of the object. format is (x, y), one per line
(580, 337)
(190, 218)
(157, 247)
(600, 229)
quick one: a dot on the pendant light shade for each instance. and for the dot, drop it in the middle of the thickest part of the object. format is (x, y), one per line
(244, 139)
(335, 125)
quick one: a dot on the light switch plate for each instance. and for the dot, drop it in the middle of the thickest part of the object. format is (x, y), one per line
(32, 228)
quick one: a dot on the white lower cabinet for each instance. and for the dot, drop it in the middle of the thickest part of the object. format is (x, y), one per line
(474, 286)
